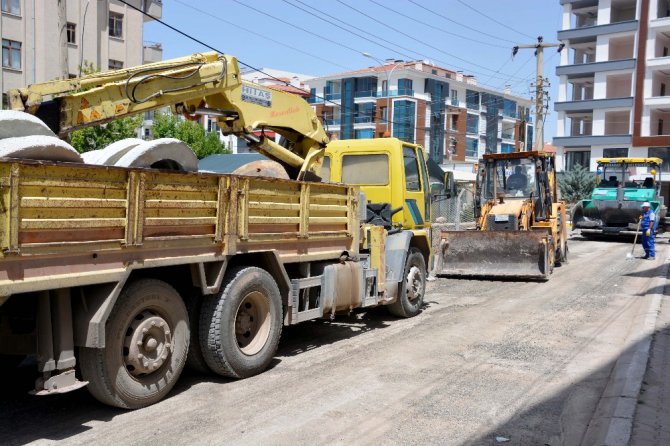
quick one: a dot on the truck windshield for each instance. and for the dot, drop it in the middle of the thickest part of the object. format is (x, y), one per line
(628, 175)
(513, 178)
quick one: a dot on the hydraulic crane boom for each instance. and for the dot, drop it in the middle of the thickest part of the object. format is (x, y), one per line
(203, 83)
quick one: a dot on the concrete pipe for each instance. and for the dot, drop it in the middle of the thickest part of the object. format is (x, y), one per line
(39, 147)
(164, 153)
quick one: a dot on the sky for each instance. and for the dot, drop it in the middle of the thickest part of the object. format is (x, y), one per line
(329, 36)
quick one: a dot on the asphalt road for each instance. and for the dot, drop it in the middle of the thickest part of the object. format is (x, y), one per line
(526, 361)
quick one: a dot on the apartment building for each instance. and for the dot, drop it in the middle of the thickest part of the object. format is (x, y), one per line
(455, 119)
(614, 92)
(41, 41)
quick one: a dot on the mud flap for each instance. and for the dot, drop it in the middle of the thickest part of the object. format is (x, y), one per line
(519, 254)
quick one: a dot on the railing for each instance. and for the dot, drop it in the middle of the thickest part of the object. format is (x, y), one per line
(332, 121)
(507, 135)
(364, 120)
(366, 94)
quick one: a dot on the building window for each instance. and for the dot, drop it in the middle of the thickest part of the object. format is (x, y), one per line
(454, 97)
(115, 25)
(11, 6)
(365, 113)
(364, 133)
(384, 114)
(71, 32)
(404, 119)
(662, 153)
(405, 87)
(212, 126)
(115, 64)
(473, 124)
(147, 133)
(583, 158)
(11, 54)
(615, 153)
(506, 148)
(472, 99)
(471, 147)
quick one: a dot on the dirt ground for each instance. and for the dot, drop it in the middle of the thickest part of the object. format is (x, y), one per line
(523, 361)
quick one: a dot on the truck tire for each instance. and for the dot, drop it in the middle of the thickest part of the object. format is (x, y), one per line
(240, 326)
(147, 336)
(195, 361)
(412, 289)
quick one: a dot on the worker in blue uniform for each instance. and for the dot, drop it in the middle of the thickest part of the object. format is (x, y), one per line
(648, 226)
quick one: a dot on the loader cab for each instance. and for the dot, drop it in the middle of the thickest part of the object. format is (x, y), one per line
(628, 179)
(388, 171)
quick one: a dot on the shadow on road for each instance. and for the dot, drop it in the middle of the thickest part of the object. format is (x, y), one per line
(581, 413)
(25, 418)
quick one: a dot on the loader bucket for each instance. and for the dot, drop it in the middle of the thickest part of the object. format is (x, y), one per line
(518, 254)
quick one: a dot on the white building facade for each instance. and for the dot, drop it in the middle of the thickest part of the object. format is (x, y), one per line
(614, 92)
(42, 42)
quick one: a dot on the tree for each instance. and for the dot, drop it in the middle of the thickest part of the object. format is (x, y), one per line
(100, 136)
(166, 125)
(576, 184)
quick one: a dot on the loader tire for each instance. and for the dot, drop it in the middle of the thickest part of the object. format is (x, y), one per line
(146, 343)
(240, 327)
(413, 287)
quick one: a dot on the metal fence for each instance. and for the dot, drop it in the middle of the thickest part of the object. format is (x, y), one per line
(458, 212)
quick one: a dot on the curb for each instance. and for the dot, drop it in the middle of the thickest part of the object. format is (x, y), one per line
(630, 369)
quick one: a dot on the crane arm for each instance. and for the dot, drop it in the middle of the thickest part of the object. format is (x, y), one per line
(203, 83)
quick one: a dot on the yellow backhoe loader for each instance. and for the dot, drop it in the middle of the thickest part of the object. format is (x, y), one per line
(520, 223)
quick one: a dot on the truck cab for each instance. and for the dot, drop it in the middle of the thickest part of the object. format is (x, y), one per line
(389, 171)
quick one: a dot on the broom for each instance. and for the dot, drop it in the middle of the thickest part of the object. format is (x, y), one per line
(630, 254)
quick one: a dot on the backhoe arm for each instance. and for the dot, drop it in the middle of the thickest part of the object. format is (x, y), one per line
(207, 83)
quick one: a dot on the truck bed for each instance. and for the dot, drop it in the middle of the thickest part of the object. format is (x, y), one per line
(70, 224)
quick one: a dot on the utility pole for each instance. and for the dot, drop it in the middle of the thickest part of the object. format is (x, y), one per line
(539, 85)
(62, 39)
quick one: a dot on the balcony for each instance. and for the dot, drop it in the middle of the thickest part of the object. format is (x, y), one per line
(589, 69)
(154, 8)
(589, 140)
(579, 4)
(590, 105)
(152, 52)
(590, 33)
(366, 94)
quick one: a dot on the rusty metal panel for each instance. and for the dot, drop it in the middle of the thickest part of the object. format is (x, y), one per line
(522, 254)
(5, 203)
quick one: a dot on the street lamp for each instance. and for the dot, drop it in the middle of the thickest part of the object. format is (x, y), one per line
(388, 89)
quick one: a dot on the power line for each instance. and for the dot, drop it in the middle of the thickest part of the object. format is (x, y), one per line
(188, 36)
(435, 27)
(409, 36)
(493, 20)
(209, 14)
(459, 24)
(395, 45)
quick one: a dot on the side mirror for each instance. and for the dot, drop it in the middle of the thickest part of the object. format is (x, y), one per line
(449, 185)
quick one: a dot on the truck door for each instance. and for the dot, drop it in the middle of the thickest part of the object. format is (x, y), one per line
(414, 208)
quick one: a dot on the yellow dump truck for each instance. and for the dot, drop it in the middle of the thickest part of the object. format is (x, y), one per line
(131, 272)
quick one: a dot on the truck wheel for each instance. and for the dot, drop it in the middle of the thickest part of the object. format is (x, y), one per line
(240, 327)
(195, 361)
(412, 289)
(147, 339)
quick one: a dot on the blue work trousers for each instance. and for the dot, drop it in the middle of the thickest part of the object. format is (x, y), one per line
(648, 244)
